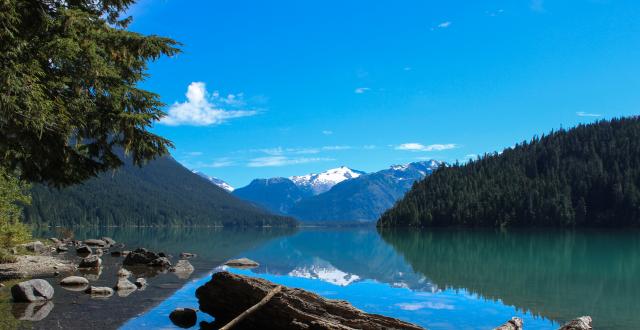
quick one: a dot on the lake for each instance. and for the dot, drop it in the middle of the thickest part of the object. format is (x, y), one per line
(439, 279)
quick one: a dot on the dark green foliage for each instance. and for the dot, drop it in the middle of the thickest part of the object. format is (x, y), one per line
(68, 89)
(161, 193)
(586, 176)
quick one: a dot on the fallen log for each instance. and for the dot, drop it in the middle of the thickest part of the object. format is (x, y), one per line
(227, 296)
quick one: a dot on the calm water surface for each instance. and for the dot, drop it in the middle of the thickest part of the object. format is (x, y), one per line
(441, 279)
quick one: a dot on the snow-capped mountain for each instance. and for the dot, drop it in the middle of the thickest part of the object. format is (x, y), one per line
(340, 194)
(218, 182)
(322, 182)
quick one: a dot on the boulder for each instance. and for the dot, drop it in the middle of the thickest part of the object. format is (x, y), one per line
(74, 281)
(139, 257)
(187, 255)
(90, 262)
(160, 262)
(184, 317)
(515, 323)
(99, 252)
(32, 290)
(242, 263)
(99, 291)
(62, 248)
(83, 250)
(34, 311)
(95, 242)
(581, 323)
(116, 253)
(182, 269)
(227, 295)
(140, 282)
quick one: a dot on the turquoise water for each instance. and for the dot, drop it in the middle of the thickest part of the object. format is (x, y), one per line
(450, 279)
(439, 279)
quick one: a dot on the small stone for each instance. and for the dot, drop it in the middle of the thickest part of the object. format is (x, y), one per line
(32, 290)
(160, 262)
(242, 263)
(184, 317)
(182, 269)
(95, 242)
(74, 280)
(581, 323)
(123, 273)
(140, 282)
(62, 248)
(110, 241)
(99, 252)
(99, 291)
(515, 323)
(54, 240)
(90, 262)
(124, 285)
(186, 255)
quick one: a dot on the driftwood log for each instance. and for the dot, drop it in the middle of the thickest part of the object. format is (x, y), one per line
(226, 296)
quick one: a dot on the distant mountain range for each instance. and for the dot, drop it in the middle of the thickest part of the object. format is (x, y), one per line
(340, 194)
(218, 182)
(161, 193)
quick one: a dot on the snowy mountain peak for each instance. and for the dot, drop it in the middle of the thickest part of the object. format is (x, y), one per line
(218, 182)
(321, 182)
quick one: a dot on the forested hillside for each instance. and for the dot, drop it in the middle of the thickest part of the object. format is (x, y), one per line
(586, 176)
(162, 192)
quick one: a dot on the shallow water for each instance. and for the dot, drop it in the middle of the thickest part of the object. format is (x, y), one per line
(442, 279)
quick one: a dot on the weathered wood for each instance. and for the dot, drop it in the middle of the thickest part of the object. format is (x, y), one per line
(228, 295)
(252, 309)
(515, 323)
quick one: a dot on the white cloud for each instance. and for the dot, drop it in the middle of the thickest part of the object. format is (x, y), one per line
(361, 90)
(221, 162)
(194, 153)
(336, 148)
(444, 25)
(422, 305)
(277, 151)
(471, 156)
(585, 114)
(327, 132)
(204, 109)
(272, 161)
(420, 147)
(369, 147)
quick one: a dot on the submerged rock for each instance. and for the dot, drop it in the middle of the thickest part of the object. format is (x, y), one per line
(187, 255)
(228, 295)
(123, 273)
(95, 242)
(515, 323)
(581, 323)
(32, 290)
(110, 241)
(242, 263)
(140, 282)
(184, 317)
(124, 287)
(34, 311)
(160, 262)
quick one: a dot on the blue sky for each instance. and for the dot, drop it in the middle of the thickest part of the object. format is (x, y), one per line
(279, 88)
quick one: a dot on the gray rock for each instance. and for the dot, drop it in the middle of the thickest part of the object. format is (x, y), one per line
(124, 285)
(242, 263)
(139, 257)
(581, 323)
(35, 311)
(32, 290)
(84, 250)
(182, 269)
(74, 281)
(62, 248)
(123, 273)
(515, 323)
(140, 282)
(187, 255)
(95, 242)
(35, 246)
(116, 253)
(90, 262)
(55, 240)
(99, 252)
(99, 291)
(184, 317)
(160, 262)
(110, 241)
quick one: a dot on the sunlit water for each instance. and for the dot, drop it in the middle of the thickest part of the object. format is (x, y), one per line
(442, 279)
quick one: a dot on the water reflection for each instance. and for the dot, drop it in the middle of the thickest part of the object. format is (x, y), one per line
(555, 274)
